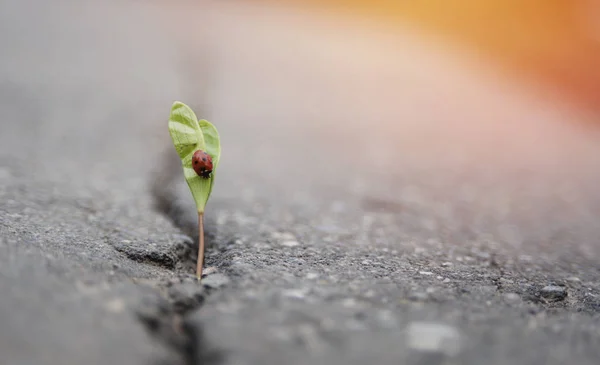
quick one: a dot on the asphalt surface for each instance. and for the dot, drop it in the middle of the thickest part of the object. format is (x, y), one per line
(381, 198)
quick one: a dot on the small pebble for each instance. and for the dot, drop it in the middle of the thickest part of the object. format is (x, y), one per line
(370, 294)
(283, 236)
(209, 270)
(426, 273)
(512, 297)
(434, 337)
(294, 293)
(553, 293)
(262, 245)
(290, 243)
(215, 281)
(116, 305)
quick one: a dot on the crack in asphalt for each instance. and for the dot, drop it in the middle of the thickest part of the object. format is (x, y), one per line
(185, 294)
(166, 322)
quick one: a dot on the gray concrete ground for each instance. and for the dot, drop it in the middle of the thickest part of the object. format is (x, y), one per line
(381, 199)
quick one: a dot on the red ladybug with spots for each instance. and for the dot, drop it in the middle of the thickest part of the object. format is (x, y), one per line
(202, 163)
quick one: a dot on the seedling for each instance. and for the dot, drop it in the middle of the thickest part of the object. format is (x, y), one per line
(197, 144)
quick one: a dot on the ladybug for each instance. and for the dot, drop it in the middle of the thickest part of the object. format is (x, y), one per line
(202, 163)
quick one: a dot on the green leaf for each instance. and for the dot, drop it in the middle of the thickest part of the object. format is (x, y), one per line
(213, 147)
(188, 136)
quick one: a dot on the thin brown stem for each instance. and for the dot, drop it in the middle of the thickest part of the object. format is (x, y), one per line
(200, 245)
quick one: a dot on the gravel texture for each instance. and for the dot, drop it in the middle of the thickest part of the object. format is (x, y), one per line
(400, 204)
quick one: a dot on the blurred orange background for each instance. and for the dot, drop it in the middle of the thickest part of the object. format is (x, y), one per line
(553, 42)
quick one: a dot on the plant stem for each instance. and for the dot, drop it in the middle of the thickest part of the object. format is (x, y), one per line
(200, 245)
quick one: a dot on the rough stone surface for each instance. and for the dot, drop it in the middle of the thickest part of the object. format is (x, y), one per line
(369, 205)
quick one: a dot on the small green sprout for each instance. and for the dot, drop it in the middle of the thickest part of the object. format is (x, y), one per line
(197, 144)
